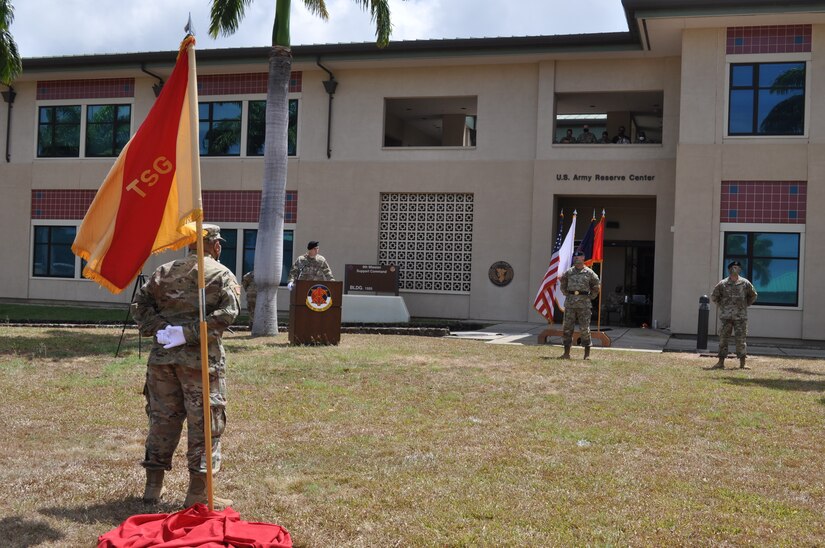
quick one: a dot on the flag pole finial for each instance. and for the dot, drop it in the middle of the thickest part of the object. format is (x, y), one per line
(189, 28)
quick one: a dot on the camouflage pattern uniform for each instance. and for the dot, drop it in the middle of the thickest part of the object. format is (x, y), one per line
(173, 379)
(586, 137)
(733, 299)
(307, 268)
(580, 288)
(251, 291)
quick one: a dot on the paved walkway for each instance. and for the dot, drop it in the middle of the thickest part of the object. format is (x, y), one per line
(645, 340)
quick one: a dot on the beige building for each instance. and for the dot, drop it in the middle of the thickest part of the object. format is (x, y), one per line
(446, 157)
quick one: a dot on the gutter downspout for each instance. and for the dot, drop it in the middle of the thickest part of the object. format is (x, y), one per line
(8, 97)
(155, 87)
(330, 86)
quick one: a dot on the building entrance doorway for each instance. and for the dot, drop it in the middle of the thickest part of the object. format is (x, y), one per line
(627, 272)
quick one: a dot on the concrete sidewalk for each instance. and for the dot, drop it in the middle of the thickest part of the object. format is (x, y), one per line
(644, 340)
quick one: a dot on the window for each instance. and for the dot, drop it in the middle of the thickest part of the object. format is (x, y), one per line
(767, 99)
(58, 132)
(107, 129)
(230, 252)
(220, 128)
(53, 255)
(614, 117)
(430, 122)
(770, 260)
(256, 128)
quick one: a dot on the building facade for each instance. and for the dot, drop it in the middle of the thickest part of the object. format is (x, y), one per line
(447, 157)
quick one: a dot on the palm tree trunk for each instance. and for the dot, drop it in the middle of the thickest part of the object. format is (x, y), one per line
(269, 249)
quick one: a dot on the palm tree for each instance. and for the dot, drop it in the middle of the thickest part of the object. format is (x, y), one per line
(226, 15)
(10, 63)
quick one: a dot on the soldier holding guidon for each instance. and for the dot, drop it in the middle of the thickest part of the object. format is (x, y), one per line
(167, 309)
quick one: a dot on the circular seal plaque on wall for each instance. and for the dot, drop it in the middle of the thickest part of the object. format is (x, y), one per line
(501, 273)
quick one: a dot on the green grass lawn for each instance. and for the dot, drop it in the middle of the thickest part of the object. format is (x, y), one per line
(409, 441)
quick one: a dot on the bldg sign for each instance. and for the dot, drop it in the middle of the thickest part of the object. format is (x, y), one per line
(371, 278)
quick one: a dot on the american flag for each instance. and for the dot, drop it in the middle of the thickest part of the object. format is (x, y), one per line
(545, 299)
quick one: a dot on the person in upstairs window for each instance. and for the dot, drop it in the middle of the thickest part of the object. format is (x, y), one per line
(568, 138)
(621, 137)
(586, 136)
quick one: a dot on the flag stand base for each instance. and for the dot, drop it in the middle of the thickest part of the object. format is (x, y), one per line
(552, 332)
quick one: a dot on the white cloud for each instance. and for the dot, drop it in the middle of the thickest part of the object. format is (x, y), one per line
(75, 27)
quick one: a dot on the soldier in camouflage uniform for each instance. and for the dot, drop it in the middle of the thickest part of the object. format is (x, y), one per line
(580, 286)
(166, 308)
(733, 295)
(251, 291)
(309, 266)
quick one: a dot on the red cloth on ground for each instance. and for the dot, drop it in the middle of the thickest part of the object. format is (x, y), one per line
(195, 527)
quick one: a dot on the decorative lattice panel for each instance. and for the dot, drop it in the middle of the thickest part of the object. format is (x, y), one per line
(429, 237)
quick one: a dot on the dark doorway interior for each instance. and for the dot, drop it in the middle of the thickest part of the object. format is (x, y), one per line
(629, 249)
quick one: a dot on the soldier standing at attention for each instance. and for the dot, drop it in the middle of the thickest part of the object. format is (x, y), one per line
(166, 308)
(733, 295)
(580, 286)
(309, 266)
(251, 291)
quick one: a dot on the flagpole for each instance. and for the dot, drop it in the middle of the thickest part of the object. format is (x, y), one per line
(204, 333)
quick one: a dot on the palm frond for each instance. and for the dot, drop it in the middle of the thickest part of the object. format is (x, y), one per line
(10, 63)
(6, 14)
(380, 15)
(225, 16)
(317, 7)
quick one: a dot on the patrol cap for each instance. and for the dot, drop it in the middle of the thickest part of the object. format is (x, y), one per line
(212, 232)
(312, 245)
(734, 263)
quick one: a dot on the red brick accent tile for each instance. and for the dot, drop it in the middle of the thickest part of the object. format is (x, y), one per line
(769, 39)
(218, 205)
(61, 204)
(242, 84)
(86, 89)
(783, 202)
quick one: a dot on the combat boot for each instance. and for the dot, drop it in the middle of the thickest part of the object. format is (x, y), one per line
(742, 364)
(566, 355)
(197, 493)
(586, 353)
(154, 487)
(718, 365)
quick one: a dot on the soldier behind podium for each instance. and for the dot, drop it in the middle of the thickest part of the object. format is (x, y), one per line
(580, 287)
(309, 266)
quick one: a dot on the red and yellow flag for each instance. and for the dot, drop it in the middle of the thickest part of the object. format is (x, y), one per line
(152, 190)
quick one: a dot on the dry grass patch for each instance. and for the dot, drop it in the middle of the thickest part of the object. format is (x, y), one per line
(389, 440)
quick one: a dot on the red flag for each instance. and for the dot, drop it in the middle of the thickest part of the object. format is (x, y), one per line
(598, 241)
(152, 190)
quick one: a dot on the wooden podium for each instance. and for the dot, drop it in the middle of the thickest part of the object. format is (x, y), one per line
(315, 312)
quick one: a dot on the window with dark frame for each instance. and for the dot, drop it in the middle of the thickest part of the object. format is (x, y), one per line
(219, 128)
(770, 260)
(53, 257)
(256, 128)
(58, 132)
(229, 251)
(107, 129)
(767, 99)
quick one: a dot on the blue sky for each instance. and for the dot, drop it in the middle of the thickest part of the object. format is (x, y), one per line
(74, 27)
